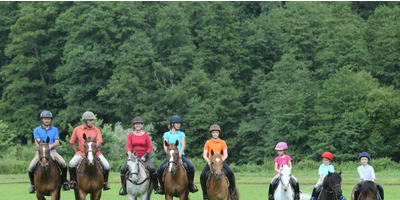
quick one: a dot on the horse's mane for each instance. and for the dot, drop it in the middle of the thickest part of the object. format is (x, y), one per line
(367, 187)
(326, 182)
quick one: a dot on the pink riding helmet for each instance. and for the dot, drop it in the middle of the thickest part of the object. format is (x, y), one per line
(281, 146)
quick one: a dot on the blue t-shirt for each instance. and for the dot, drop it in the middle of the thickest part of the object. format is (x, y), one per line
(173, 137)
(42, 134)
(323, 170)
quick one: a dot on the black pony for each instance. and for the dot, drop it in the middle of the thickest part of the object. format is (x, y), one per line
(331, 188)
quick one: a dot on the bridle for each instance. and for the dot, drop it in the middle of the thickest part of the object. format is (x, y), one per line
(173, 162)
(44, 156)
(138, 162)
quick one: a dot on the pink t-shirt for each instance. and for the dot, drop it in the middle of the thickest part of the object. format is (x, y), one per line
(282, 161)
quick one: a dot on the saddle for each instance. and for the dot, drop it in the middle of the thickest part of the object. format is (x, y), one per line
(209, 174)
(78, 167)
(146, 169)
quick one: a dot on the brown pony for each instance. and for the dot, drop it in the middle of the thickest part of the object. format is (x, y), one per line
(218, 186)
(47, 177)
(90, 173)
(176, 180)
(368, 191)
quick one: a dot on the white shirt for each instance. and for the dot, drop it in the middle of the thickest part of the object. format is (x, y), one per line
(366, 172)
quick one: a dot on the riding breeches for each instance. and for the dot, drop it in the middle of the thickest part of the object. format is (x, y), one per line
(60, 160)
(77, 159)
(152, 169)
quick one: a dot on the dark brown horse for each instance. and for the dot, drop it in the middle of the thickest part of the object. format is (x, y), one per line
(47, 177)
(331, 186)
(176, 180)
(90, 173)
(218, 186)
(368, 191)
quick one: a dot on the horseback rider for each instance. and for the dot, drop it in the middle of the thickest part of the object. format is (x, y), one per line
(40, 133)
(171, 136)
(92, 131)
(283, 159)
(367, 173)
(140, 142)
(217, 145)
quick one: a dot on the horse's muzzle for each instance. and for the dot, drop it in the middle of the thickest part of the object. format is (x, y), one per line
(218, 176)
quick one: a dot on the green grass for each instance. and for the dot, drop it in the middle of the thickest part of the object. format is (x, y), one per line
(307, 179)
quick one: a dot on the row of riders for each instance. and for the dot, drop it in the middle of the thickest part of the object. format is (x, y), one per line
(365, 171)
(137, 143)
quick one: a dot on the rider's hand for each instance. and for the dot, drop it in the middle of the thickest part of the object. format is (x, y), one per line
(78, 153)
(143, 158)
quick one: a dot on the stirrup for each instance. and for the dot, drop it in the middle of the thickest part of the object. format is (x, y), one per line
(66, 186)
(106, 186)
(72, 184)
(193, 188)
(122, 191)
(160, 191)
(232, 191)
(32, 189)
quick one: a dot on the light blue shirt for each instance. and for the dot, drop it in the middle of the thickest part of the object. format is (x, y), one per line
(173, 137)
(42, 134)
(366, 172)
(323, 170)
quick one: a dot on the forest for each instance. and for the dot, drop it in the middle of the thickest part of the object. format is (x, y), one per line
(321, 76)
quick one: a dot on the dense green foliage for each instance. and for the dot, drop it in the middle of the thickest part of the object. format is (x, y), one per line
(322, 76)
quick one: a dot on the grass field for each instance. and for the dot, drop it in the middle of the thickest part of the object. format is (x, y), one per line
(251, 186)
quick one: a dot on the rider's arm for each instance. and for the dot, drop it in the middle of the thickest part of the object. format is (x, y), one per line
(56, 143)
(165, 147)
(225, 154)
(74, 148)
(37, 142)
(276, 167)
(205, 153)
(183, 140)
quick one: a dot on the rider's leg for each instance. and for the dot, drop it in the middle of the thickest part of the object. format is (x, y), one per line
(153, 174)
(192, 187)
(357, 191)
(380, 189)
(122, 191)
(296, 186)
(31, 170)
(72, 169)
(203, 180)
(231, 177)
(60, 160)
(272, 186)
(160, 175)
(106, 168)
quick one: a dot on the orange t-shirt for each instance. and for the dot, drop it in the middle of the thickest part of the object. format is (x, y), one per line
(77, 135)
(216, 146)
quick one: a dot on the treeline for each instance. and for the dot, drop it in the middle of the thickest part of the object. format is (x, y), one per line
(322, 76)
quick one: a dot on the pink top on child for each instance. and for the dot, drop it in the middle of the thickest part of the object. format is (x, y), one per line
(282, 161)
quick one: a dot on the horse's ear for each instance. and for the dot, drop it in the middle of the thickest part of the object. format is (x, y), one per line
(134, 153)
(222, 152)
(47, 140)
(340, 172)
(212, 152)
(84, 136)
(176, 143)
(165, 143)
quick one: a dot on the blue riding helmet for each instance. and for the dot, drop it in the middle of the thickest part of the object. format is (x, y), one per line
(364, 154)
(175, 119)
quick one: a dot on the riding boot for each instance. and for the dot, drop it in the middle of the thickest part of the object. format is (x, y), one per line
(154, 180)
(72, 177)
(106, 185)
(31, 178)
(64, 178)
(313, 195)
(232, 186)
(296, 191)
(122, 191)
(204, 188)
(271, 192)
(192, 186)
(160, 190)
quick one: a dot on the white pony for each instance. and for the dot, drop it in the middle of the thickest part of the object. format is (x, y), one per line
(138, 182)
(284, 190)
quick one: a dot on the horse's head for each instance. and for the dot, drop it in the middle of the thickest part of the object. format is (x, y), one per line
(90, 149)
(216, 164)
(332, 183)
(285, 175)
(172, 156)
(44, 154)
(368, 190)
(133, 166)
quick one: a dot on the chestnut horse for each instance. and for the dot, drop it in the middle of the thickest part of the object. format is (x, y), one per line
(47, 176)
(368, 191)
(218, 188)
(176, 179)
(90, 177)
(331, 187)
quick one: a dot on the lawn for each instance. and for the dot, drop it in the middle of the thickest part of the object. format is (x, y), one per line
(251, 186)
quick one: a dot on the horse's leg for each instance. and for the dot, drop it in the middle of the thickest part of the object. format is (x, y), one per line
(40, 195)
(168, 197)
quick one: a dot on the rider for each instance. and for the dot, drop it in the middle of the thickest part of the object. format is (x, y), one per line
(140, 142)
(366, 173)
(217, 145)
(171, 136)
(283, 159)
(40, 134)
(92, 131)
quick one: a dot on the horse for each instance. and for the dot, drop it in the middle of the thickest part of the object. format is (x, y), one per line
(176, 180)
(138, 182)
(47, 176)
(368, 191)
(331, 187)
(218, 187)
(90, 173)
(284, 191)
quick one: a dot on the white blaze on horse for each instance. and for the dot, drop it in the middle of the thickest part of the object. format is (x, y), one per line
(284, 191)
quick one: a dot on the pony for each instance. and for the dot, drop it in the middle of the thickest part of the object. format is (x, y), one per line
(89, 173)
(368, 191)
(284, 191)
(47, 176)
(331, 187)
(138, 182)
(176, 180)
(218, 187)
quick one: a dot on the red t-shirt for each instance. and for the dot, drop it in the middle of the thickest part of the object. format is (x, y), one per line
(77, 135)
(140, 144)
